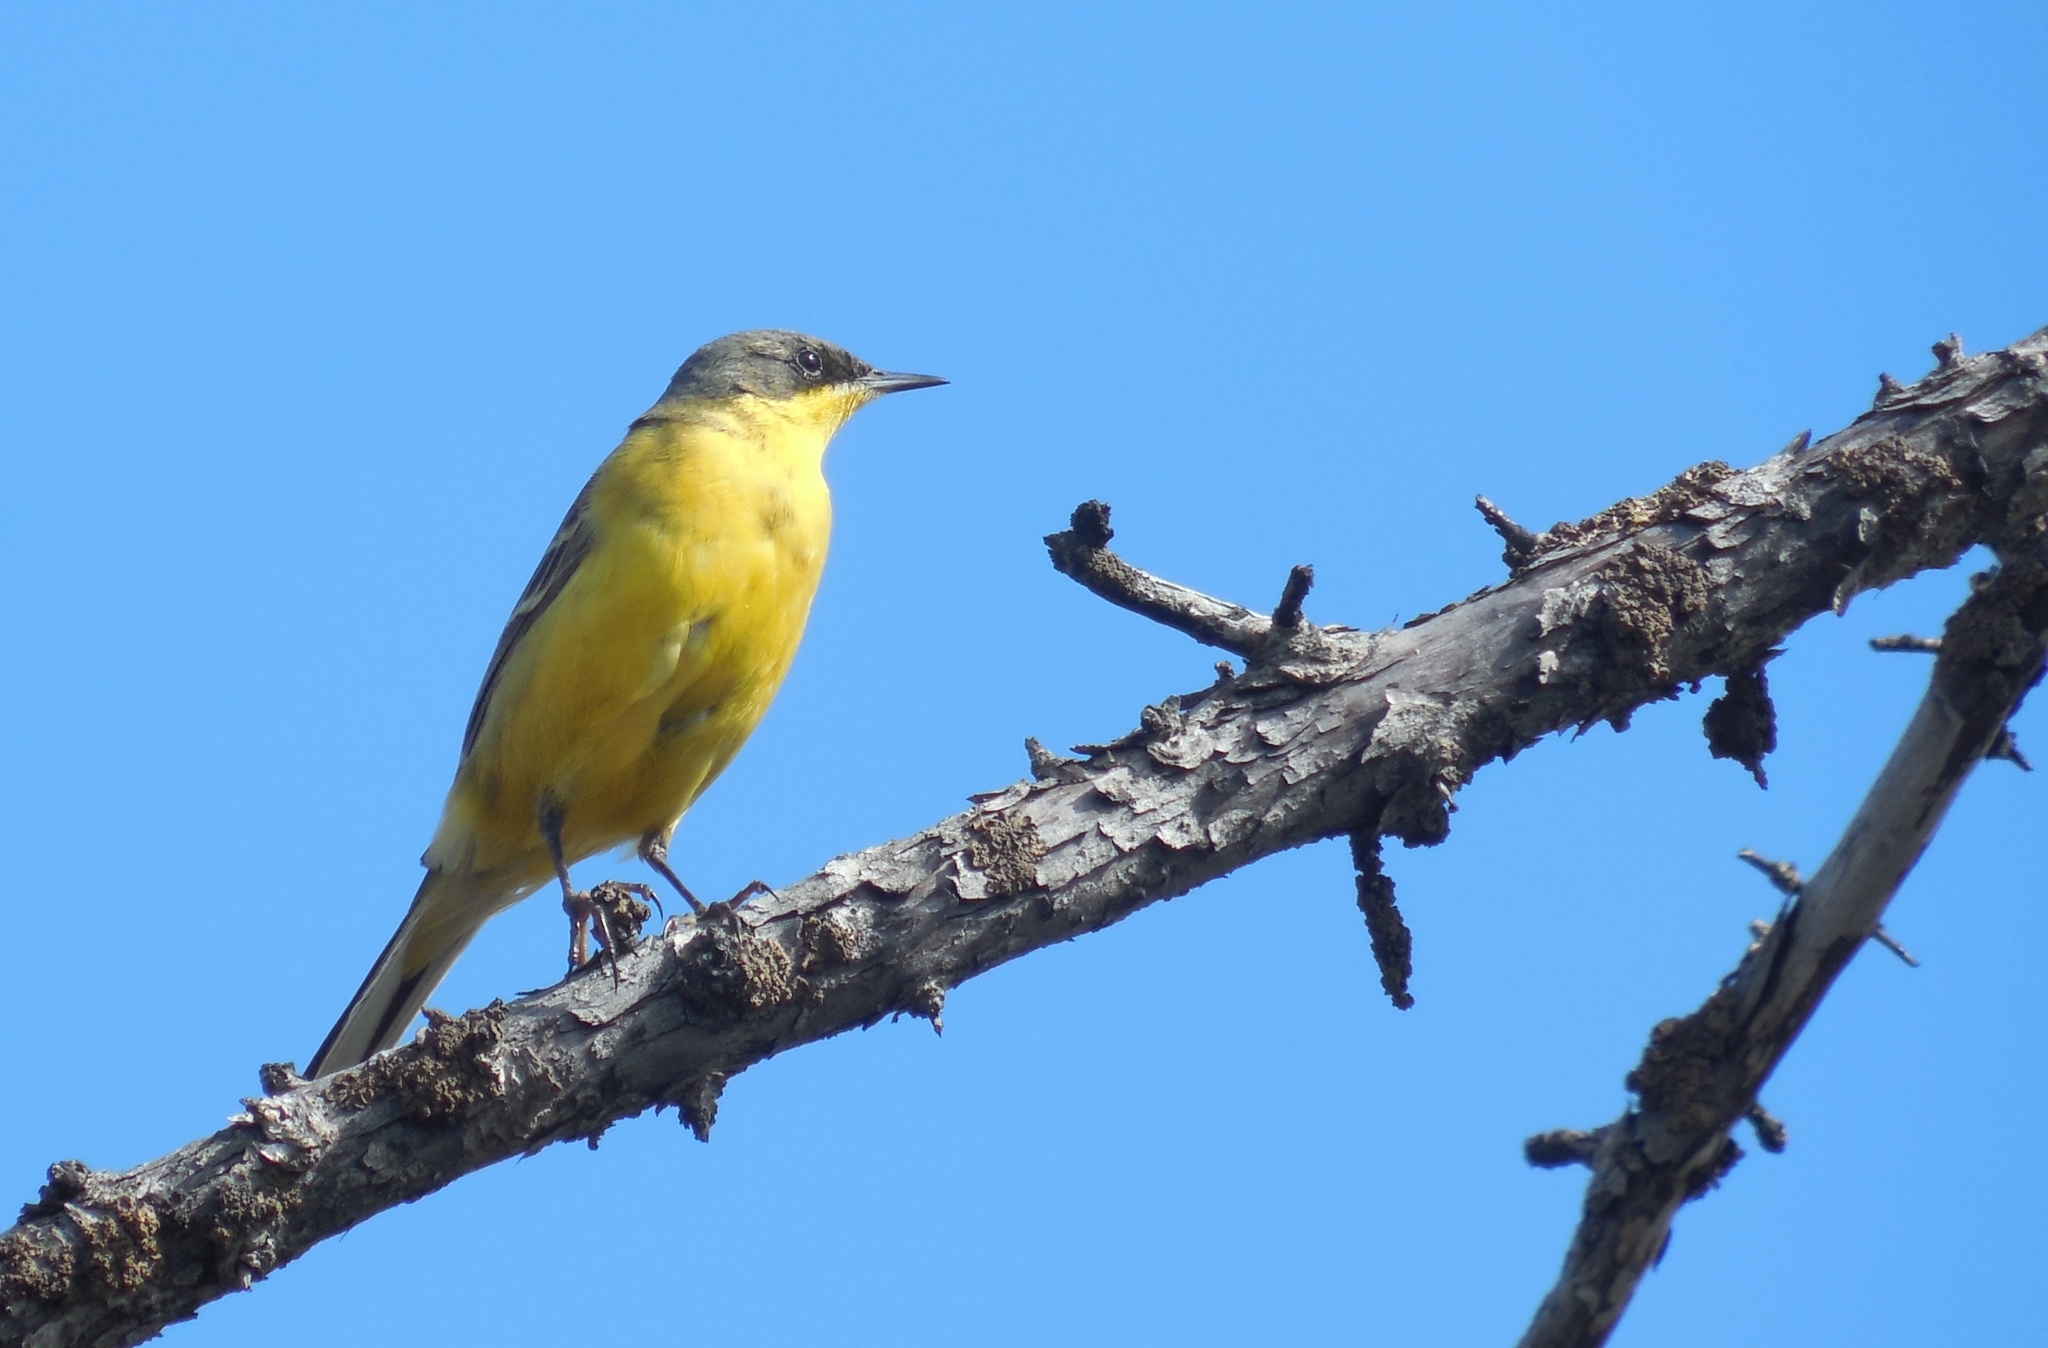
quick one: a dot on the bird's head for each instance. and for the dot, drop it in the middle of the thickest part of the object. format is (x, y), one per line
(797, 377)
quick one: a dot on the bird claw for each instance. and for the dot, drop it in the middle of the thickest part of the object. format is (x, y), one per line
(615, 910)
(726, 910)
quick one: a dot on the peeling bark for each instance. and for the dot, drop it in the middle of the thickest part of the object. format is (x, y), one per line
(1326, 732)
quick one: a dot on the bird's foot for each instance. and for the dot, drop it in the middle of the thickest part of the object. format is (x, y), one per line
(748, 891)
(616, 910)
(722, 911)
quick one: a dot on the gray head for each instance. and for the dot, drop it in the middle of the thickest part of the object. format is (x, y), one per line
(776, 364)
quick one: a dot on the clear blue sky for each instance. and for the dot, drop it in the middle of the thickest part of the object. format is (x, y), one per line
(311, 325)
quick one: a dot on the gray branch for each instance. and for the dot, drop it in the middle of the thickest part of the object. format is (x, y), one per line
(1081, 551)
(1325, 733)
(1701, 1074)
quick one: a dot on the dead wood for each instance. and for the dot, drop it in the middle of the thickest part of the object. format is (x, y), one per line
(1326, 732)
(1701, 1073)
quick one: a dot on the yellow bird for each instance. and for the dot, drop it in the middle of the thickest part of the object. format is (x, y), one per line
(644, 651)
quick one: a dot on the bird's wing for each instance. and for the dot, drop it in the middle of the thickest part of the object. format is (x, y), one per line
(572, 543)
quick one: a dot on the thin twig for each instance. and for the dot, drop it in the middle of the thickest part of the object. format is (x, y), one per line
(1771, 1133)
(1891, 943)
(1783, 875)
(1287, 613)
(2006, 749)
(1082, 552)
(1561, 1147)
(1521, 544)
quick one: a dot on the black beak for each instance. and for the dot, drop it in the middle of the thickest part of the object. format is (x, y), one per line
(879, 382)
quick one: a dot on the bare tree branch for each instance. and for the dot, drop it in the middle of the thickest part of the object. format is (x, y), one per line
(1521, 545)
(1081, 551)
(1701, 1074)
(1325, 733)
(1907, 642)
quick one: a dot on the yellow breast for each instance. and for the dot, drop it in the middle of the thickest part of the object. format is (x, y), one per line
(708, 529)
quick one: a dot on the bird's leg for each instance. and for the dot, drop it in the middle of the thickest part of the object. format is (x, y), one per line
(654, 851)
(577, 906)
(607, 945)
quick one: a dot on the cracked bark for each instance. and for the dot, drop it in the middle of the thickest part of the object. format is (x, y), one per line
(1327, 732)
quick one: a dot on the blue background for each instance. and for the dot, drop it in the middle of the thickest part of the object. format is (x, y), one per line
(311, 324)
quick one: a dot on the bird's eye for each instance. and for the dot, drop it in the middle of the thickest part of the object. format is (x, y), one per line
(810, 362)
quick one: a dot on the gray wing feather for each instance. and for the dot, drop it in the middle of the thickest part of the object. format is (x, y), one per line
(572, 543)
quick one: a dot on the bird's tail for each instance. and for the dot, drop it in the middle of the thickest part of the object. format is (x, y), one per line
(445, 914)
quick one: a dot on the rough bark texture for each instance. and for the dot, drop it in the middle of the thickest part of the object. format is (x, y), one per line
(1326, 732)
(1701, 1074)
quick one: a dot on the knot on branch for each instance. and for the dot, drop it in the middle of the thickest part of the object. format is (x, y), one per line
(1089, 524)
(278, 1077)
(66, 1180)
(1741, 723)
(1683, 1073)
(1608, 637)
(697, 1103)
(1895, 473)
(1074, 549)
(1647, 594)
(448, 1070)
(725, 968)
(1005, 847)
(1896, 479)
(927, 1001)
(838, 935)
(1418, 756)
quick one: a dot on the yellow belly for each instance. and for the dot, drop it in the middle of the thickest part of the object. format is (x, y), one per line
(636, 686)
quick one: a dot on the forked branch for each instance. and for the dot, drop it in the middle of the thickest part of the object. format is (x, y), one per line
(1325, 733)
